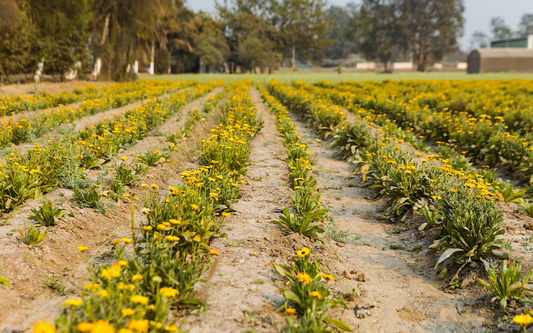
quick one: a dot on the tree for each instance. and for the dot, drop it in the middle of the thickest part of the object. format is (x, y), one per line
(526, 24)
(375, 28)
(479, 40)
(303, 26)
(211, 47)
(254, 52)
(341, 18)
(430, 28)
(499, 29)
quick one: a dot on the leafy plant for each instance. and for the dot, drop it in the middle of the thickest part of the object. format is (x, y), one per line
(31, 234)
(306, 225)
(509, 194)
(89, 198)
(47, 215)
(508, 285)
(152, 158)
(527, 208)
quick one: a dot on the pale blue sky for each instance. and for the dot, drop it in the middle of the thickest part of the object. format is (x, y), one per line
(477, 13)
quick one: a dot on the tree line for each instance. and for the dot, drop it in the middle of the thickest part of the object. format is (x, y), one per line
(113, 37)
(500, 30)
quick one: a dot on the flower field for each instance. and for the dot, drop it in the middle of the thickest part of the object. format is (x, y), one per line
(162, 206)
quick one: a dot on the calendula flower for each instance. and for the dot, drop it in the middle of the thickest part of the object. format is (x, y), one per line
(197, 238)
(316, 294)
(137, 278)
(303, 252)
(43, 327)
(128, 312)
(91, 286)
(84, 327)
(126, 240)
(154, 186)
(138, 299)
(125, 330)
(116, 241)
(171, 328)
(173, 238)
(82, 248)
(328, 277)
(124, 158)
(73, 302)
(225, 214)
(140, 325)
(175, 222)
(147, 228)
(144, 185)
(304, 277)
(290, 311)
(523, 320)
(110, 273)
(102, 326)
(169, 292)
(194, 207)
(102, 293)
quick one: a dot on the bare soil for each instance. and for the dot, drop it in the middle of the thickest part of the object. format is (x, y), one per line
(26, 89)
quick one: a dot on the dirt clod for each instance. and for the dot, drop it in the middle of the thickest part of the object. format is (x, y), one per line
(529, 226)
(347, 275)
(362, 278)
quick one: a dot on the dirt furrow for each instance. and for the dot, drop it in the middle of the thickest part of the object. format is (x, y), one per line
(242, 292)
(398, 287)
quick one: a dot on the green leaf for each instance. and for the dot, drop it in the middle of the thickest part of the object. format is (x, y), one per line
(340, 324)
(446, 254)
(290, 296)
(191, 301)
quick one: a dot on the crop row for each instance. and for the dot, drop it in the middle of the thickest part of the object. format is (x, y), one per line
(63, 162)
(460, 205)
(308, 293)
(136, 292)
(12, 105)
(23, 130)
(491, 139)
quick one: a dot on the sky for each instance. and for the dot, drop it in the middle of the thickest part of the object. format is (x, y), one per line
(477, 13)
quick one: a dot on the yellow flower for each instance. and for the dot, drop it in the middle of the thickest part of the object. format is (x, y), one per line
(110, 273)
(91, 286)
(154, 186)
(137, 278)
(126, 240)
(194, 207)
(138, 299)
(144, 185)
(124, 158)
(304, 277)
(173, 221)
(82, 248)
(213, 195)
(169, 292)
(171, 328)
(128, 312)
(225, 214)
(197, 238)
(84, 327)
(140, 325)
(523, 320)
(102, 326)
(214, 252)
(43, 327)
(173, 238)
(102, 293)
(116, 241)
(328, 276)
(125, 330)
(303, 252)
(147, 228)
(290, 311)
(316, 294)
(73, 302)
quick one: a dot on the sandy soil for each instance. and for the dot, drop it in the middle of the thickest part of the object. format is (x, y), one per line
(25, 89)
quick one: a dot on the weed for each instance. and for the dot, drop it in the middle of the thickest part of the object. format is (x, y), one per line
(396, 246)
(56, 285)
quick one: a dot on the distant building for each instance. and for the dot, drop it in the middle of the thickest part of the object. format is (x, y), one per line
(500, 60)
(522, 42)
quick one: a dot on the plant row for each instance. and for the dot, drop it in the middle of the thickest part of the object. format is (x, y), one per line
(482, 138)
(12, 105)
(308, 293)
(24, 130)
(64, 162)
(136, 293)
(458, 205)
